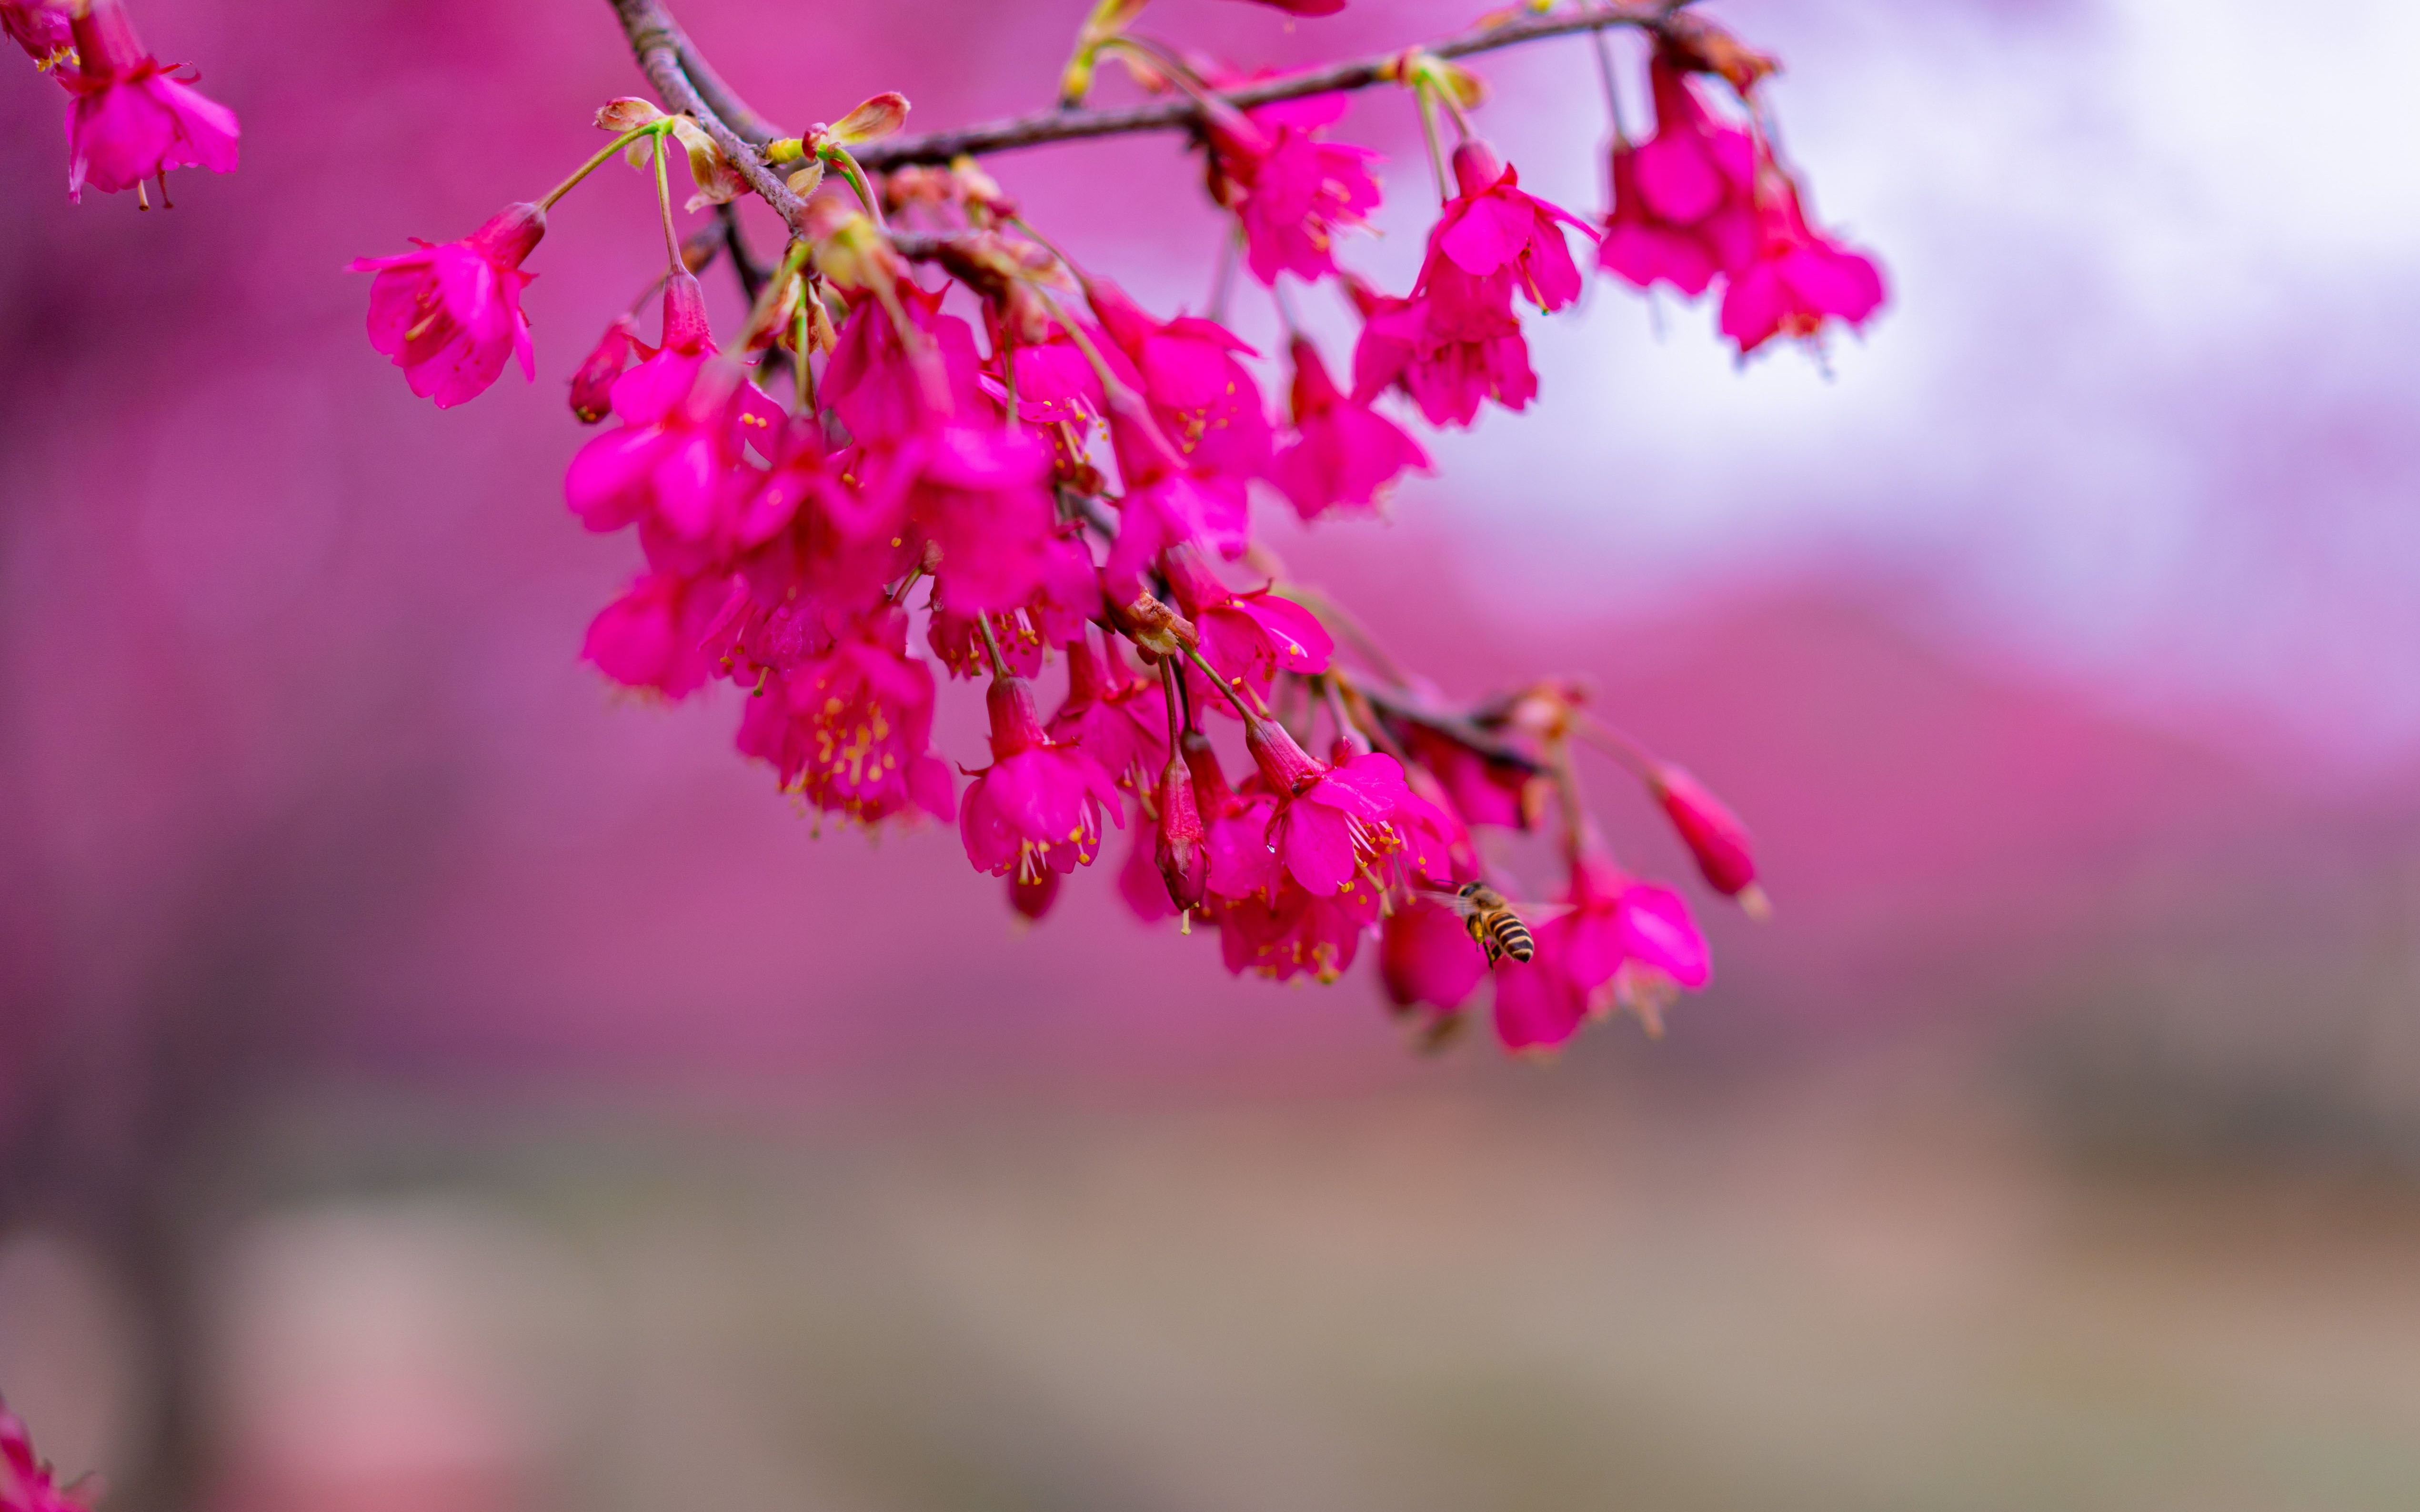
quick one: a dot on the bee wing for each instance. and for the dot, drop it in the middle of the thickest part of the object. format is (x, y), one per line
(1536, 914)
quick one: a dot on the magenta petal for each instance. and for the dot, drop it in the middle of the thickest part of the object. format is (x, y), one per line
(1491, 231)
(1315, 841)
(1657, 931)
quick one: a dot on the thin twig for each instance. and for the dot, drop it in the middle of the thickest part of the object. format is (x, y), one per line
(1173, 114)
(659, 44)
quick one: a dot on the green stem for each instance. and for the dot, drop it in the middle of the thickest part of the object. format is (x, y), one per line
(664, 198)
(655, 128)
(838, 155)
(1436, 147)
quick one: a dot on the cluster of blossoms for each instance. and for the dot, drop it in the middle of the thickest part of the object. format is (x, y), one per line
(934, 431)
(27, 1484)
(129, 119)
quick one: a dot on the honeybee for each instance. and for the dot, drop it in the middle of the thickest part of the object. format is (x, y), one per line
(1489, 916)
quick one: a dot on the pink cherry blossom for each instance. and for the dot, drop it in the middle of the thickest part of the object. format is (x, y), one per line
(1483, 790)
(131, 120)
(1289, 190)
(676, 465)
(1038, 807)
(450, 315)
(1295, 931)
(981, 497)
(807, 529)
(1616, 934)
(1333, 823)
(1426, 956)
(1166, 502)
(1206, 402)
(1120, 719)
(654, 635)
(1343, 453)
(886, 388)
(1251, 636)
(43, 29)
(1456, 340)
(850, 729)
(1684, 200)
(1800, 279)
(27, 1484)
(957, 638)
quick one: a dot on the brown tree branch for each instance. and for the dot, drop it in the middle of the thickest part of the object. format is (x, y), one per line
(660, 45)
(687, 83)
(1172, 115)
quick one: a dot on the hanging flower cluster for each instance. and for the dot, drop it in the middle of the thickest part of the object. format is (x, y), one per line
(937, 451)
(27, 1484)
(129, 119)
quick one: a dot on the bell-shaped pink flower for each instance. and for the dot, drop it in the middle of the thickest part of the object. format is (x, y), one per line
(131, 120)
(1427, 957)
(1251, 636)
(28, 1483)
(1289, 190)
(1483, 790)
(1616, 933)
(1166, 502)
(851, 728)
(1800, 279)
(1333, 823)
(450, 315)
(1120, 719)
(1294, 932)
(1684, 199)
(1206, 402)
(1037, 806)
(676, 465)
(45, 31)
(654, 635)
(1714, 834)
(981, 499)
(809, 527)
(1343, 453)
(887, 387)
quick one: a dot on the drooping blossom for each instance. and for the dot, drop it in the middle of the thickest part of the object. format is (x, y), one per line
(1618, 937)
(850, 729)
(1120, 719)
(1289, 190)
(131, 119)
(1333, 823)
(592, 383)
(1684, 200)
(1343, 453)
(957, 638)
(450, 314)
(1456, 340)
(27, 1484)
(1427, 957)
(675, 467)
(45, 31)
(1180, 847)
(1293, 931)
(1206, 402)
(888, 386)
(1800, 279)
(1037, 806)
(1715, 838)
(1166, 503)
(1252, 636)
(654, 635)
(1484, 789)
(980, 499)
(807, 529)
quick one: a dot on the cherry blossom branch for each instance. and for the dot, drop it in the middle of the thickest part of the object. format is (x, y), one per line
(666, 57)
(1173, 114)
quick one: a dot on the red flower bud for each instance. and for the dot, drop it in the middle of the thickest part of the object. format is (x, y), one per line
(1713, 834)
(591, 387)
(1183, 856)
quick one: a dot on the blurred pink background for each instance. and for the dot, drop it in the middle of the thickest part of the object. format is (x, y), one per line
(427, 1079)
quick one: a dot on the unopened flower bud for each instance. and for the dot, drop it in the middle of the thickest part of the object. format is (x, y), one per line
(591, 387)
(1476, 167)
(1713, 834)
(871, 121)
(1181, 852)
(627, 114)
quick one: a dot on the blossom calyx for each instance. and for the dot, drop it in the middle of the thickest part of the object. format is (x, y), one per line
(1284, 764)
(1700, 46)
(1153, 627)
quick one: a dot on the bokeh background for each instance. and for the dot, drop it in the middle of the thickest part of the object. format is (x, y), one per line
(429, 1081)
